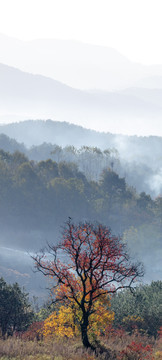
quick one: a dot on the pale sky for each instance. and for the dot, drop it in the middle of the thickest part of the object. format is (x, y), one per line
(133, 27)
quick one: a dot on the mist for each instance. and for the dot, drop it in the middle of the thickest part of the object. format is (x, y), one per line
(37, 97)
(79, 65)
(80, 136)
(138, 159)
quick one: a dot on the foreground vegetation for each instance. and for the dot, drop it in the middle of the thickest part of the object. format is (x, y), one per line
(53, 332)
(117, 345)
(90, 301)
(124, 327)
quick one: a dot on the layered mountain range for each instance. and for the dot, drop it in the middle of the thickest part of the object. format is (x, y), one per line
(87, 85)
(97, 88)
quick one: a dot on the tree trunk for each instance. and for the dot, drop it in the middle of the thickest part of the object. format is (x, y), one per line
(84, 332)
(4, 331)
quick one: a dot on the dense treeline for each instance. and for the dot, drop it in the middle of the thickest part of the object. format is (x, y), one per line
(15, 311)
(141, 308)
(37, 197)
(90, 160)
(128, 157)
(47, 192)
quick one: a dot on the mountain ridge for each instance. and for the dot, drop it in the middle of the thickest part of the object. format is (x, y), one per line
(85, 66)
(38, 97)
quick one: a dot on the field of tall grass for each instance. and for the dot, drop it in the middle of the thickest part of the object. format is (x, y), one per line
(119, 346)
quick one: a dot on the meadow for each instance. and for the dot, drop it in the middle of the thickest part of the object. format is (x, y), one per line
(117, 345)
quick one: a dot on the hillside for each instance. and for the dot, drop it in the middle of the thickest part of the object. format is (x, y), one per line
(36, 199)
(79, 65)
(141, 166)
(37, 97)
(34, 133)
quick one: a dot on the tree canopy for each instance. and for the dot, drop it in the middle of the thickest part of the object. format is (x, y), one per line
(97, 264)
(143, 308)
(15, 310)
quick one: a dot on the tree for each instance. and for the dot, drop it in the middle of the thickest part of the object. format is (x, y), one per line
(65, 321)
(15, 311)
(112, 184)
(144, 304)
(96, 263)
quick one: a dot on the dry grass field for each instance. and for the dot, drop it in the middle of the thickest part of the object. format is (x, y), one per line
(134, 347)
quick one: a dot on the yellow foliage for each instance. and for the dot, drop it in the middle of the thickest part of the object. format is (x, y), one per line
(102, 317)
(158, 355)
(66, 321)
(59, 324)
(132, 318)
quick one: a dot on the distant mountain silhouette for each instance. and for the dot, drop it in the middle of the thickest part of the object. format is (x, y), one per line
(37, 97)
(36, 132)
(82, 66)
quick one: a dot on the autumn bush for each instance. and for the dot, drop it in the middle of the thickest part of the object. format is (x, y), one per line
(66, 321)
(160, 333)
(34, 332)
(136, 351)
(158, 351)
(132, 322)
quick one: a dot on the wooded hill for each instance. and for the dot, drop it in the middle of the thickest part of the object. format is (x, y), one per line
(137, 159)
(113, 179)
(36, 199)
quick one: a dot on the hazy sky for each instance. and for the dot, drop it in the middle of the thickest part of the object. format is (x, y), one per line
(134, 27)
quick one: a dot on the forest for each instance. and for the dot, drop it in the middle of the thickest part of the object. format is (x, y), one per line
(38, 196)
(140, 166)
(43, 186)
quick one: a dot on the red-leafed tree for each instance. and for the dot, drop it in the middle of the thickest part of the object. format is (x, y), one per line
(87, 264)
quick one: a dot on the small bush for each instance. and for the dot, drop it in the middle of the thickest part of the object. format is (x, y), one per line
(158, 355)
(136, 351)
